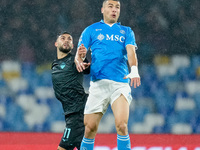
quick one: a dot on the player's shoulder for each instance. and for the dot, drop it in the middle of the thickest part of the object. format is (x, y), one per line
(54, 63)
(124, 27)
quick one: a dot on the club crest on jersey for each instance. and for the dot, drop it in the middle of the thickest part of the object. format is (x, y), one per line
(62, 65)
(100, 37)
(122, 32)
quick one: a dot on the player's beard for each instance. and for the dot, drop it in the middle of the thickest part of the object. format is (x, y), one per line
(65, 50)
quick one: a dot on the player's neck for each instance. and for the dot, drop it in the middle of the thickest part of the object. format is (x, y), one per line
(61, 55)
(108, 23)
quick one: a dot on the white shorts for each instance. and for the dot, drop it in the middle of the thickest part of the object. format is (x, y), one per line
(105, 92)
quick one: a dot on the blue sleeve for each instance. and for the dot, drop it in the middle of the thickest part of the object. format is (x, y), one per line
(130, 37)
(85, 38)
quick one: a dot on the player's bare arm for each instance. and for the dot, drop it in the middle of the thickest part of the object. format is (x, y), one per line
(133, 63)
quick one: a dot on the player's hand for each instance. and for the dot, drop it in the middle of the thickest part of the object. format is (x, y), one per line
(80, 56)
(134, 76)
(79, 64)
(136, 82)
(82, 51)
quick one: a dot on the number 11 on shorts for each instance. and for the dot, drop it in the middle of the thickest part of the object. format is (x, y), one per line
(66, 134)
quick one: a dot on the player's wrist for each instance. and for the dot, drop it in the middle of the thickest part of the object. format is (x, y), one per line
(134, 72)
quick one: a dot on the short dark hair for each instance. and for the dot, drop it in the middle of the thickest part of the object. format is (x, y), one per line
(104, 1)
(63, 32)
(112, 0)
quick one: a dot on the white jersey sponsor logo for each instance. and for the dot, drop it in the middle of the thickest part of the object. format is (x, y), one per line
(115, 38)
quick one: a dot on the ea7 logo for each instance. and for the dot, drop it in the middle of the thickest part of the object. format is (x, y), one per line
(115, 38)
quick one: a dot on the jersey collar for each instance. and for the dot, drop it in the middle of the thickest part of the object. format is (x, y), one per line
(102, 21)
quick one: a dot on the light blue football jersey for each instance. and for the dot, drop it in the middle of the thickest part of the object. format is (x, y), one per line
(108, 50)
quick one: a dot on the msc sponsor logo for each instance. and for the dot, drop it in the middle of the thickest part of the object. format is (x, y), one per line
(115, 38)
(111, 37)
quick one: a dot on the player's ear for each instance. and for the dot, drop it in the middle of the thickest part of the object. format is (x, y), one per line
(56, 44)
(102, 10)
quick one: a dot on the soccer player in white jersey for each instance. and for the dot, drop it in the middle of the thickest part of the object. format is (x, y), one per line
(111, 45)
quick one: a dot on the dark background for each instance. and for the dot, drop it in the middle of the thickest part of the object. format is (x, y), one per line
(28, 29)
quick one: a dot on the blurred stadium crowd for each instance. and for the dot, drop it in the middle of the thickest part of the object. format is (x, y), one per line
(168, 38)
(29, 28)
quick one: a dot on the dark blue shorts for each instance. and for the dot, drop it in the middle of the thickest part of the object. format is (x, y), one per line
(74, 131)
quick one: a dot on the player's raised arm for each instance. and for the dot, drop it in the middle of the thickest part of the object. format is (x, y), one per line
(133, 63)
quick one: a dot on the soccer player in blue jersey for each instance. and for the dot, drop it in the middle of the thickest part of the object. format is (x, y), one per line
(111, 45)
